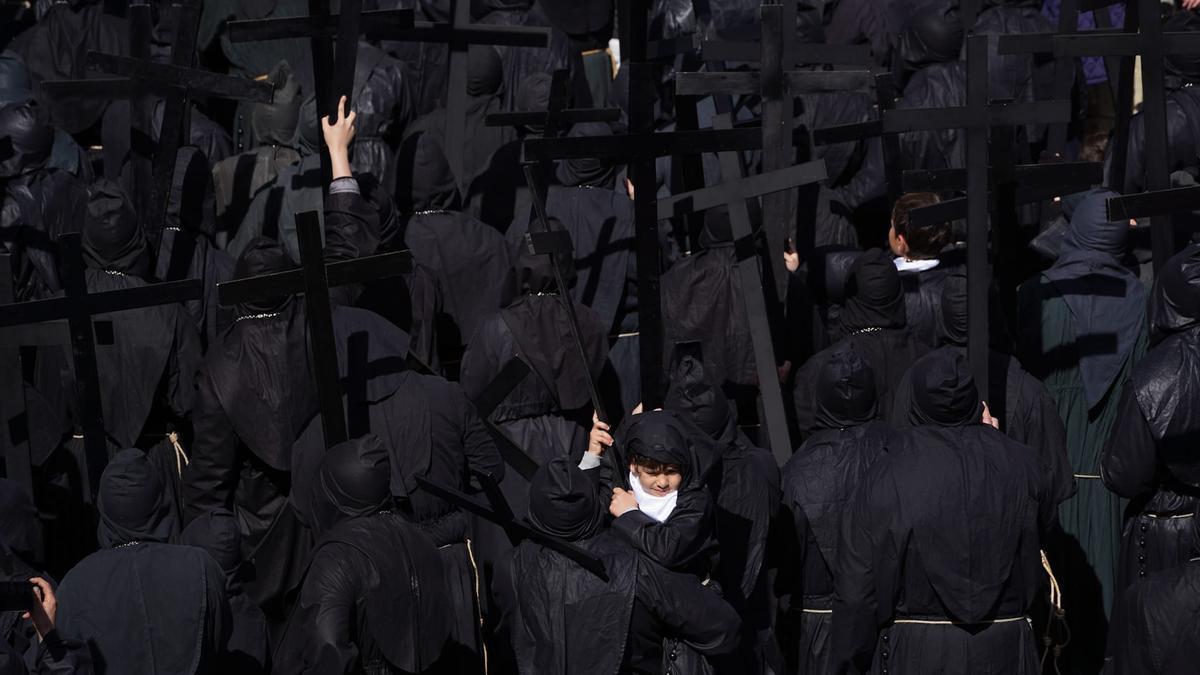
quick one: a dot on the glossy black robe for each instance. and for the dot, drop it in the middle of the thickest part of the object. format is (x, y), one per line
(1156, 624)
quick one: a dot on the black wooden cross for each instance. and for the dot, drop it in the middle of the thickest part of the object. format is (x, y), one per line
(78, 306)
(1143, 36)
(334, 81)
(733, 194)
(178, 82)
(778, 85)
(314, 279)
(639, 148)
(557, 116)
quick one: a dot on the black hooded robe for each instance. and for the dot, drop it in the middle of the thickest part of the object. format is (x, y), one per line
(938, 564)
(1149, 457)
(1156, 624)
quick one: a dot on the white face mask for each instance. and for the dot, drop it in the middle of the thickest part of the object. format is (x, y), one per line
(658, 508)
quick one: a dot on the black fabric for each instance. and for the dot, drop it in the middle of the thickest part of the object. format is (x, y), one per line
(133, 503)
(1175, 302)
(373, 600)
(541, 327)
(943, 391)
(874, 294)
(20, 532)
(1155, 622)
(352, 482)
(923, 300)
(1104, 297)
(112, 236)
(147, 608)
(563, 501)
(587, 171)
(30, 138)
(1183, 139)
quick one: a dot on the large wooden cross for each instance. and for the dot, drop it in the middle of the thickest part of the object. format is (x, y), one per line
(78, 307)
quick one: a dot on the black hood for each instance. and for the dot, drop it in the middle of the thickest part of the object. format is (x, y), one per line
(666, 436)
(533, 95)
(485, 71)
(943, 390)
(261, 256)
(932, 35)
(217, 533)
(846, 394)
(132, 502)
(1175, 303)
(425, 181)
(275, 123)
(587, 171)
(113, 239)
(354, 480)
(534, 273)
(874, 294)
(1182, 69)
(563, 501)
(26, 138)
(693, 393)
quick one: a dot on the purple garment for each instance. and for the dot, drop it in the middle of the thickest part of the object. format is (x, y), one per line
(1093, 66)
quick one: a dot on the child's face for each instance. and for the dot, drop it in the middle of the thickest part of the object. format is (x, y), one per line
(658, 483)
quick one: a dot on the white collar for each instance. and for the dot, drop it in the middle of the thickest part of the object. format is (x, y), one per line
(906, 265)
(658, 508)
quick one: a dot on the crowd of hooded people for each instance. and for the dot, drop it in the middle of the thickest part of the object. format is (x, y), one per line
(921, 524)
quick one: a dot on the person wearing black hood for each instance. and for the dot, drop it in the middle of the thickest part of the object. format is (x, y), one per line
(16, 86)
(702, 300)
(568, 620)
(470, 260)
(1156, 621)
(238, 179)
(873, 317)
(498, 195)
(919, 259)
(146, 374)
(746, 492)
(1149, 457)
(1024, 408)
(1183, 116)
(938, 562)
(818, 483)
(217, 533)
(142, 603)
(1081, 330)
(373, 598)
(549, 413)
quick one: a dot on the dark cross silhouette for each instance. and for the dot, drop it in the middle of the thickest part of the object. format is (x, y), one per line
(458, 34)
(1142, 36)
(78, 306)
(733, 194)
(178, 82)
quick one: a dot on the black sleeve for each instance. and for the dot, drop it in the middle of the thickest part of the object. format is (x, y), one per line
(209, 480)
(690, 612)
(1046, 433)
(183, 364)
(868, 572)
(480, 449)
(1129, 460)
(679, 539)
(327, 607)
(58, 656)
(804, 396)
(351, 226)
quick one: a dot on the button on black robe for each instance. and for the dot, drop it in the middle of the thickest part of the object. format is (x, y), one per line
(944, 527)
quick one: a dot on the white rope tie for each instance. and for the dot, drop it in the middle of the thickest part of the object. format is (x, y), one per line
(181, 458)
